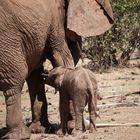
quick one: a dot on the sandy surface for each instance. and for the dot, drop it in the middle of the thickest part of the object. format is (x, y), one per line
(118, 82)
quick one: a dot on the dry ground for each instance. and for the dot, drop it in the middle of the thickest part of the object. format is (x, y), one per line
(116, 82)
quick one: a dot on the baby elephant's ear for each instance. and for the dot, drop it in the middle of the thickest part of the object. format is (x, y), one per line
(89, 17)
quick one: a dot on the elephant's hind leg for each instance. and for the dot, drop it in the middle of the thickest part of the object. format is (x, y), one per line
(79, 105)
(92, 115)
(40, 123)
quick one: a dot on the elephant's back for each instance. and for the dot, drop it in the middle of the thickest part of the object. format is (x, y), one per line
(31, 15)
(76, 79)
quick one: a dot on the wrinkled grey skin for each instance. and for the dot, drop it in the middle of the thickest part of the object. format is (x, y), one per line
(30, 32)
(80, 86)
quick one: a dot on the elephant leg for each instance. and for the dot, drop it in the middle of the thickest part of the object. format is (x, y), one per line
(60, 52)
(16, 128)
(92, 115)
(64, 113)
(40, 123)
(62, 57)
(71, 113)
(79, 109)
(12, 79)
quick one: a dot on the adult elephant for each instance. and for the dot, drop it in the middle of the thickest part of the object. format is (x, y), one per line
(30, 32)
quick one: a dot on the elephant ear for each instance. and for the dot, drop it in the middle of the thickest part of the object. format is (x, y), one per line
(89, 17)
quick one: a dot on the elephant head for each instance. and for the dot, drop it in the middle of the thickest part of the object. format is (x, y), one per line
(55, 77)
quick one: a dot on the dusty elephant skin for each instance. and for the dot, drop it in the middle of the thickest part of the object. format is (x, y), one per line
(30, 32)
(80, 86)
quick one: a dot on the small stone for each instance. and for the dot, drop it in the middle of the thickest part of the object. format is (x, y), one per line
(27, 90)
(136, 100)
(133, 78)
(116, 113)
(3, 103)
(85, 137)
(66, 135)
(49, 103)
(44, 136)
(112, 119)
(105, 130)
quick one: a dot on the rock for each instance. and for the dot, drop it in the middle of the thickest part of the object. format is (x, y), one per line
(105, 130)
(49, 103)
(112, 119)
(3, 103)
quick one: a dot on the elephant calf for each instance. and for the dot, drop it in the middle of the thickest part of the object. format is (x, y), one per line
(80, 86)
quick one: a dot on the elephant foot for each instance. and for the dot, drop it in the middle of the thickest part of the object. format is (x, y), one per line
(38, 128)
(18, 134)
(77, 132)
(92, 129)
(60, 133)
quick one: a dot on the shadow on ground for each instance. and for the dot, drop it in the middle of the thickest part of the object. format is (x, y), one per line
(2, 132)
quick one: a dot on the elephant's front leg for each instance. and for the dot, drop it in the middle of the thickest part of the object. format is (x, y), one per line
(16, 129)
(40, 123)
(61, 55)
(64, 113)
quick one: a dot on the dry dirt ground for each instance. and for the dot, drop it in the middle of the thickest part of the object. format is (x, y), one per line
(123, 84)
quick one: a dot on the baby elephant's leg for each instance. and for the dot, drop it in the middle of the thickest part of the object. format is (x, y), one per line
(79, 105)
(64, 113)
(92, 114)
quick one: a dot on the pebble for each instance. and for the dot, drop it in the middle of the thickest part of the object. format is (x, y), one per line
(49, 103)
(112, 119)
(3, 103)
(105, 130)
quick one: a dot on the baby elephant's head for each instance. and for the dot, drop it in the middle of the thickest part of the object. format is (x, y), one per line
(55, 77)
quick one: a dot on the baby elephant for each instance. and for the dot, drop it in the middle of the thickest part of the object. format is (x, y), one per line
(79, 85)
